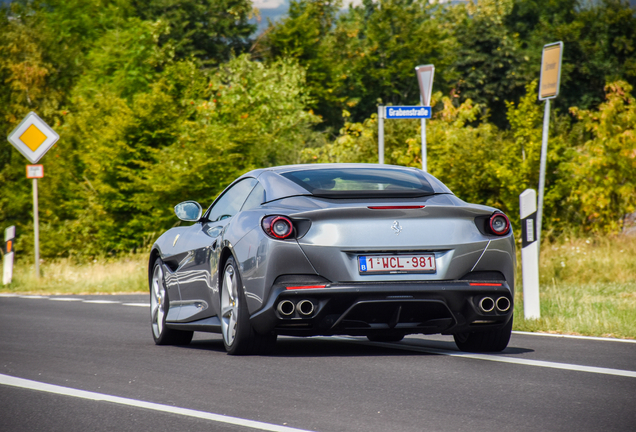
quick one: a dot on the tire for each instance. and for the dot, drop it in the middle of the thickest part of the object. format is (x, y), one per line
(159, 305)
(239, 336)
(487, 341)
(387, 337)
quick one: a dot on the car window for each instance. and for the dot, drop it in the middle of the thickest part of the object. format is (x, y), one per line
(231, 201)
(358, 182)
(256, 198)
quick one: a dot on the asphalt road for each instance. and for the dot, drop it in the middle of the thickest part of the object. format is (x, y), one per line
(72, 365)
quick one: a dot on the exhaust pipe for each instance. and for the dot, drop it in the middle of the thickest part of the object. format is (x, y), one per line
(487, 304)
(285, 308)
(503, 304)
(305, 307)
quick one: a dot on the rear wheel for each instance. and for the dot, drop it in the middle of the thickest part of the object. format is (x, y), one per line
(238, 335)
(159, 304)
(486, 341)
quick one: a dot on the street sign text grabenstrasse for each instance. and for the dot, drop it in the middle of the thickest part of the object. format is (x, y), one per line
(408, 112)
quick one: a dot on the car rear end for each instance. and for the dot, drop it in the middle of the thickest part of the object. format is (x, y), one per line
(391, 257)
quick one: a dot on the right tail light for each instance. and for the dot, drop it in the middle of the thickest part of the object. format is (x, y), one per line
(499, 224)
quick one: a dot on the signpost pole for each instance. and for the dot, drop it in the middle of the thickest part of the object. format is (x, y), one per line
(380, 134)
(544, 153)
(33, 138)
(36, 228)
(424, 168)
(549, 82)
(425, 74)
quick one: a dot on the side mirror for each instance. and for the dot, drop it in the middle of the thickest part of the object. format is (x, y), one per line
(189, 211)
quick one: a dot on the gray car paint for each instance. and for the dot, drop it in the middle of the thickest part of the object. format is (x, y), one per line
(341, 230)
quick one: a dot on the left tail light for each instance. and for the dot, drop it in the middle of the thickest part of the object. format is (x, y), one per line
(278, 227)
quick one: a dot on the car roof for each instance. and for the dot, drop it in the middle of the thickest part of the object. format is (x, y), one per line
(276, 186)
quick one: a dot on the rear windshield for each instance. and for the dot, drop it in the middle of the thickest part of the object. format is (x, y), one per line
(361, 182)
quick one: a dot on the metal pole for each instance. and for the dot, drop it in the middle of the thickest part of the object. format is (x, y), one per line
(424, 167)
(36, 228)
(544, 156)
(381, 134)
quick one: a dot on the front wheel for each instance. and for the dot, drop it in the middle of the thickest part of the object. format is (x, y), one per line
(486, 341)
(238, 335)
(159, 304)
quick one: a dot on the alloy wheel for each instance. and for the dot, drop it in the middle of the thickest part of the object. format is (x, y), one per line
(157, 300)
(229, 305)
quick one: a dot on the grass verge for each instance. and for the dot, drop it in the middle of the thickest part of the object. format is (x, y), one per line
(587, 287)
(126, 274)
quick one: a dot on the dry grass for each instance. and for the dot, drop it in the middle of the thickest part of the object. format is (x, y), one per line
(588, 287)
(101, 276)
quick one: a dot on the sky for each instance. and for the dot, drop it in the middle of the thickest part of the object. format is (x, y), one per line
(275, 9)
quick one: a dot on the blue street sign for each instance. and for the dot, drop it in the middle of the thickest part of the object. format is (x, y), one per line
(408, 112)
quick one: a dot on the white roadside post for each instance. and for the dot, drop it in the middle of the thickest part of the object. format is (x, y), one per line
(529, 254)
(7, 267)
(33, 138)
(548, 89)
(425, 74)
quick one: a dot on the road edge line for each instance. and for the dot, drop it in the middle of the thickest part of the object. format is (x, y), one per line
(100, 397)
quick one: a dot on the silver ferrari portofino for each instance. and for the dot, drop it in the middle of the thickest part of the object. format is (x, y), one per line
(334, 249)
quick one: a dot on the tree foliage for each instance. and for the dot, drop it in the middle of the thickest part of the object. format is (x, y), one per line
(157, 101)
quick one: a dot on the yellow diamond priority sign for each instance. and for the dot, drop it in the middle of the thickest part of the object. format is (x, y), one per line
(33, 137)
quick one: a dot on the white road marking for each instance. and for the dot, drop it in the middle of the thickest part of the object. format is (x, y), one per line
(66, 299)
(33, 297)
(136, 304)
(101, 301)
(67, 391)
(501, 359)
(8, 295)
(575, 337)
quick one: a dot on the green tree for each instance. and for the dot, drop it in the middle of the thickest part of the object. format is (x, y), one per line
(211, 30)
(488, 60)
(368, 53)
(604, 165)
(301, 36)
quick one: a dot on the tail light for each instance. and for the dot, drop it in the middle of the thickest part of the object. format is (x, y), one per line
(499, 224)
(278, 227)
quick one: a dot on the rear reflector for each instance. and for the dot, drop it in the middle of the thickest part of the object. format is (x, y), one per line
(395, 207)
(485, 284)
(305, 287)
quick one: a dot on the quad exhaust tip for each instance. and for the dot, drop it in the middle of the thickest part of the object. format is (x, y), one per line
(487, 304)
(305, 307)
(286, 308)
(503, 304)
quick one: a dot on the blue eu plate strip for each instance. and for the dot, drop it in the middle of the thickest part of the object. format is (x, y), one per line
(363, 264)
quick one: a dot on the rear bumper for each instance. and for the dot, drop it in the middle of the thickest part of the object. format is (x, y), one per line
(361, 309)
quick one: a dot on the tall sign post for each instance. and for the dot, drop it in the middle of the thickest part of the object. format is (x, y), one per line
(548, 89)
(33, 138)
(529, 254)
(425, 79)
(425, 74)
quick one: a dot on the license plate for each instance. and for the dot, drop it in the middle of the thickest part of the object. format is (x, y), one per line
(420, 263)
